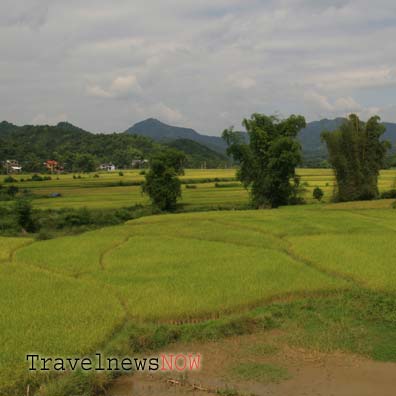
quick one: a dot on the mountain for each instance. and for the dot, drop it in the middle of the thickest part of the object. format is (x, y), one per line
(309, 137)
(198, 154)
(159, 131)
(78, 149)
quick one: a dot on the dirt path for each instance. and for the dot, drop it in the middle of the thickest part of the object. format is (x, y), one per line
(310, 373)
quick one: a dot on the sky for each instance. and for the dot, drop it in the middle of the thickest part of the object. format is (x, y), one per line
(206, 64)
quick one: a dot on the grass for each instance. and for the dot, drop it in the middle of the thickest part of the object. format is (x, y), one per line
(9, 245)
(125, 287)
(106, 192)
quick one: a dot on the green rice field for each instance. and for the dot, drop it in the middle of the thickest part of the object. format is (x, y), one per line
(105, 191)
(70, 295)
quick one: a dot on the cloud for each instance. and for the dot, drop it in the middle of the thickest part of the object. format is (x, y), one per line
(206, 64)
(120, 87)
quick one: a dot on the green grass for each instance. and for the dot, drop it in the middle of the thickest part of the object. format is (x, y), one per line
(103, 192)
(70, 295)
(9, 245)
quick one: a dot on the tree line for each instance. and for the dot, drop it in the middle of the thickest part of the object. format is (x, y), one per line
(267, 162)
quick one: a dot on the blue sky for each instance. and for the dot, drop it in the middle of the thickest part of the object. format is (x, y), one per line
(204, 64)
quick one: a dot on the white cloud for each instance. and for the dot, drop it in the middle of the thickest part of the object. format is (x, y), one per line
(120, 87)
(207, 63)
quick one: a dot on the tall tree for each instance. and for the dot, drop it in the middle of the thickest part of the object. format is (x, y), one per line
(162, 183)
(268, 161)
(357, 154)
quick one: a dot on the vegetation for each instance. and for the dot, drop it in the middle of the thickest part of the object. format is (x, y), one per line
(162, 184)
(210, 254)
(357, 155)
(268, 161)
(318, 193)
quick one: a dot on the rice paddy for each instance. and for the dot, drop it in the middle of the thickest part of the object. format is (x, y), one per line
(105, 191)
(70, 295)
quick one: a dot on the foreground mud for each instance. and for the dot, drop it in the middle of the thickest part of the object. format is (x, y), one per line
(309, 373)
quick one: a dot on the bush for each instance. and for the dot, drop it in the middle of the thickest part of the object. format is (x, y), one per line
(389, 194)
(318, 193)
(95, 175)
(120, 173)
(191, 186)
(23, 210)
(10, 179)
(36, 177)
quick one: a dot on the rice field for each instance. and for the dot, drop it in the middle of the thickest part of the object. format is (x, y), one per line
(70, 295)
(105, 191)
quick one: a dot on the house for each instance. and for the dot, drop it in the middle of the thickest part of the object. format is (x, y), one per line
(107, 167)
(139, 163)
(12, 166)
(53, 166)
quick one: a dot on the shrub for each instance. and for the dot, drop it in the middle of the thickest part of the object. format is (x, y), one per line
(10, 179)
(23, 210)
(36, 177)
(120, 173)
(191, 186)
(318, 193)
(389, 194)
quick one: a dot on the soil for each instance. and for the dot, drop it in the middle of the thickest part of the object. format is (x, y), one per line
(311, 373)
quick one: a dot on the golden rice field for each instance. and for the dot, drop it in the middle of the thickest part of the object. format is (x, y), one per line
(105, 191)
(71, 294)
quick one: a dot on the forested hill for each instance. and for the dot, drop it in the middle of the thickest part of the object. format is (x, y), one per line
(77, 149)
(160, 131)
(309, 137)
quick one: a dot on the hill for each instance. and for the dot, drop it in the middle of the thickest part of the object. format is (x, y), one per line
(198, 154)
(309, 137)
(80, 150)
(160, 131)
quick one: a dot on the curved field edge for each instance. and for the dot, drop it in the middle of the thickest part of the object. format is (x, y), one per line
(267, 233)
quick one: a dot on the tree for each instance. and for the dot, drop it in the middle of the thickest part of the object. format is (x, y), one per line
(357, 155)
(318, 193)
(268, 161)
(162, 184)
(23, 210)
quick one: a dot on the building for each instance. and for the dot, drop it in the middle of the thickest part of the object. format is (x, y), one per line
(53, 166)
(139, 163)
(12, 166)
(107, 167)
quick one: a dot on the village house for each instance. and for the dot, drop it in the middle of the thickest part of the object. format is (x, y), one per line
(139, 163)
(12, 166)
(53, 166)
(107, 167)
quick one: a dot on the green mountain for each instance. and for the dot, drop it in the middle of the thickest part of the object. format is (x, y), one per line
(309, 137)
(79, 150)
(199, 155)
(159, 131)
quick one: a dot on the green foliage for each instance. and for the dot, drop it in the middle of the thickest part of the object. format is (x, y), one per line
(357, 155)
(318, 193)
(10, 179)
(268, 161)
(162, 184)
(23, 211)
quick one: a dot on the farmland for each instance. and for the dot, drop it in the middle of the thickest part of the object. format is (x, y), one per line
(110, 190)
(73, 293)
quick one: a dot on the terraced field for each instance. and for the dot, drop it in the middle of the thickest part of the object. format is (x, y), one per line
(69, 295)
(107, 191)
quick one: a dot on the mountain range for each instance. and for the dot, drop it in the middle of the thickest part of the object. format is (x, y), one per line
(309, 137)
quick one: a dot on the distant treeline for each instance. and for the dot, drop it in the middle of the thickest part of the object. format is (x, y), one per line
(81, 151)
